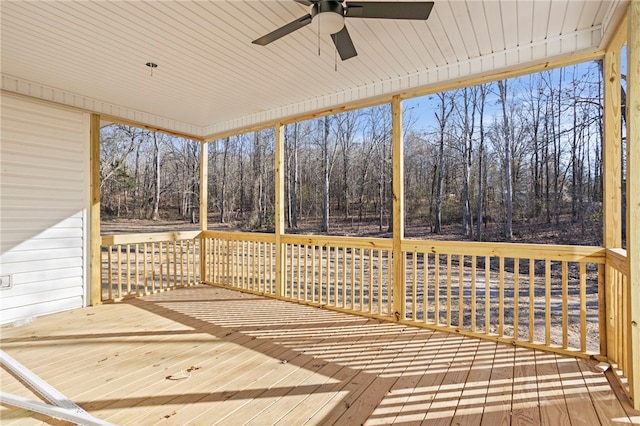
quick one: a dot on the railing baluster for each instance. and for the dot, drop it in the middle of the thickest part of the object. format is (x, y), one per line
(487, 295)
(152, 263)
(425, 287)
(473, 292)
(370, 263)
(461, 291)
(379, 308)
(516, 297)
(389, 283)
(565, 305)
(109, 273)
(344, 277)
(337, 275)
(583, 307)
(436, 301)
(532, 295)
(414, 285)
(547, 302)
(145, 272)
(353, 280)
(299, 274)
(119, 271)
(501, 298)
(449, 292)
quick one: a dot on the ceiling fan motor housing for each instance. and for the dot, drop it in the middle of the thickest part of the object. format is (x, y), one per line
(329, 15)
(327, 6)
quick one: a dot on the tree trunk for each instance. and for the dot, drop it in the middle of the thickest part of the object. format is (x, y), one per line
(156, 178)
(508, 229)
(256, 208)
(442, 121)
(480, 196)
(324, 227)
(223, 184)
(294, 180)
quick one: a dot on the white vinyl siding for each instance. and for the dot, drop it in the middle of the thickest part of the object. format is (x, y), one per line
(44, 188)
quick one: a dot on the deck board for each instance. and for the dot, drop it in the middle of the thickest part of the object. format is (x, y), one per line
(260, 361)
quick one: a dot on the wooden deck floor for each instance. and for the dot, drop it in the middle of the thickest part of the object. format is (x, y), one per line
(205, 356)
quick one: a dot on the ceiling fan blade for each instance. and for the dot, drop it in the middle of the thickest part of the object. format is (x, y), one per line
(305, 2)
(283, 31)
(344, 44)
(389, 9)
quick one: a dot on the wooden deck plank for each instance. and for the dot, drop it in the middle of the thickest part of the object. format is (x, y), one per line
(358, 391)
(417, 405)
(474, 394)
(113, 360)
(579, 404)
(265, 391)
(607, 402)
(326, 378)
(227, 378)
(169, 393)
(525, 405)
(359, 412)
(553, 407)
(419, 361)
(319, 405)
(444, 405)
(497, 410)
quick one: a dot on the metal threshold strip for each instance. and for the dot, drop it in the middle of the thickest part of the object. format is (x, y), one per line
(61, 408)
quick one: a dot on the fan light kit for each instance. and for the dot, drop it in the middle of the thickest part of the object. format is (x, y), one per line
(329, 15)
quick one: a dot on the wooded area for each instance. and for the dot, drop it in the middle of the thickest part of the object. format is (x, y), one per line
(519, 159)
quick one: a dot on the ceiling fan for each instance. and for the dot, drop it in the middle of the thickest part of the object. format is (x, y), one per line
(329, 16)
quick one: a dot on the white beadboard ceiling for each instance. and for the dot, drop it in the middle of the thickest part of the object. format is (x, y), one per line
(211, 79)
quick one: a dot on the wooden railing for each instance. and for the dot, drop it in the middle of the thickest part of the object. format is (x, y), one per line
(618, 321)
(532, 295)
(545, 296)
(351, 274)
(246, 261)
(139, 264)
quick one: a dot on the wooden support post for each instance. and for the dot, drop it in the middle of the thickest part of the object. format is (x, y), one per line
(204, 207)
(279, 213)
(399, 303)
(633, 195)
(612, 182)
(95, 243)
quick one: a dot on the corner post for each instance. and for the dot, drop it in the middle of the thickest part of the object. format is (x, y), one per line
(279, 208)
(397, 158)
(633, 194)
(204, 207)
(95, 242)
(612, 185)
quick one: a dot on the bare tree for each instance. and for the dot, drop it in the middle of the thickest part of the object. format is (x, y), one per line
(223, 181)
(324, 227)
(482, 173)
(446, 106)
(507, 135)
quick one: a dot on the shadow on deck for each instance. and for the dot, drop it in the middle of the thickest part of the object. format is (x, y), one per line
(205, 355)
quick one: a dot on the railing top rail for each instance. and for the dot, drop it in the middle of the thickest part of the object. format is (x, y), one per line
(337, 241)
(617, 259)
(262, 237)
(110, 240)
(509, 250)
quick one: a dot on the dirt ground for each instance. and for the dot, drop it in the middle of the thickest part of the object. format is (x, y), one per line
(566, 232)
